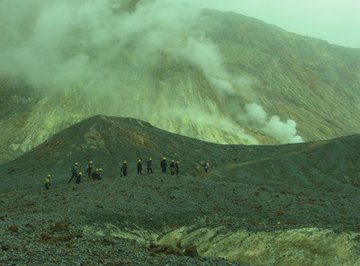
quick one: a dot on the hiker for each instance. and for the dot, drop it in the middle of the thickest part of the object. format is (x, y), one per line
(74, 172)
(89, 169)
(149, 167)
(163, 165)
(206, 166)
(172, 167)
(97, 175)
(48, 182)
(78, 178)
(177, 167)
(139, 167)
(123, 169)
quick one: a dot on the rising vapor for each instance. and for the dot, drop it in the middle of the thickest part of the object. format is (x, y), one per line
(128, 58)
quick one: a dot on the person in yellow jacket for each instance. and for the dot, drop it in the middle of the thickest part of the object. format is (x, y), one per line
(48, 182)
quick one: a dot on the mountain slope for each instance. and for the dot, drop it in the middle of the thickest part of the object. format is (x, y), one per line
(108, 141)
(296, 76)
(216, 76)
(256, 202)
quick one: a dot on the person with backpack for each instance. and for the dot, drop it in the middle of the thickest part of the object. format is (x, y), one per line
(177, 167)
(78, 178)
(74, 172)
(172, 167)
(206, 166)
(123, 169)
(96, 175)
(89, 169)
(139, 167)
(163, 165)
(149, 169)
(99, 176)
(48, 182)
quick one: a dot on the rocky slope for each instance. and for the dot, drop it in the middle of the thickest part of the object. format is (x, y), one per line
(276, 205)
(211, 75)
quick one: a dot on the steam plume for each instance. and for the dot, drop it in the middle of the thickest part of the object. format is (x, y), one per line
(98, 47)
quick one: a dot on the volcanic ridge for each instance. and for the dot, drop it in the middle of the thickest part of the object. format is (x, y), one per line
(255, 204)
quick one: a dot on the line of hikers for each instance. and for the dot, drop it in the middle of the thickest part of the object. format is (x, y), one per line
(97, 174)
(76, 174)
(173, 167)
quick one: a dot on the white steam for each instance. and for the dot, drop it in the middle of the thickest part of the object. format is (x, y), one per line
(256, 117)
(97, 46)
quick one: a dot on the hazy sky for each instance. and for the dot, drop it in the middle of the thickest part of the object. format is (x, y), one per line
(337, 21)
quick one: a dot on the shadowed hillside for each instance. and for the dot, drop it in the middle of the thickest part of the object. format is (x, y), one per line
(109, 141)
(256, 202)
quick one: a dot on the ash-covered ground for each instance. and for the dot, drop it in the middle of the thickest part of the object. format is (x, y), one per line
(300, 196)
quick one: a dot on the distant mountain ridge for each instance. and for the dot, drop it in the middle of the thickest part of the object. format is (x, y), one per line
(268, 87)
(312, 81)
